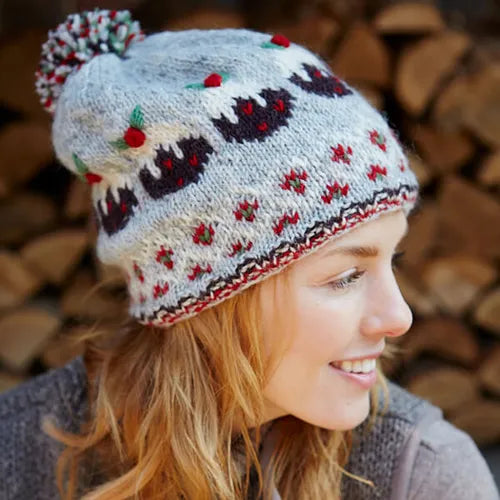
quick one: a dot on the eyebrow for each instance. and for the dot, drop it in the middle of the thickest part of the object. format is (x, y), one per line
(359, 251)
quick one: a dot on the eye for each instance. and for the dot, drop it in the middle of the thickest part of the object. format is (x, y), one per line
(348, 280)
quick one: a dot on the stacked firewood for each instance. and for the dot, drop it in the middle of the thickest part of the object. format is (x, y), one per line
(438, 86)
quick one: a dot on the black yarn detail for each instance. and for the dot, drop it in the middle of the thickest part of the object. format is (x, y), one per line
(176, 173)
(118, 213)
(329, 86)
(256, 122)
(251, 263)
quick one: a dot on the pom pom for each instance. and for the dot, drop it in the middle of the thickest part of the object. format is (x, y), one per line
(76, 41)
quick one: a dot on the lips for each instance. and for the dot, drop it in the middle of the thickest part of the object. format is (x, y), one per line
(361, 358)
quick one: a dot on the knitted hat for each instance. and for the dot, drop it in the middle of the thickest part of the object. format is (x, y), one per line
(216, 157)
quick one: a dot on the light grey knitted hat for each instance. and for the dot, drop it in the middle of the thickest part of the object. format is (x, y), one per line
(216, 157)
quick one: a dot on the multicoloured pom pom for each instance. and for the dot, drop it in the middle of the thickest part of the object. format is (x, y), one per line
(75, 42)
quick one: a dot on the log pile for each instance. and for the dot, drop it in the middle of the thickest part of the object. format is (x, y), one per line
(438, 85)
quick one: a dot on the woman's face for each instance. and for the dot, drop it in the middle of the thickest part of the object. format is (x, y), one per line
(331, 323)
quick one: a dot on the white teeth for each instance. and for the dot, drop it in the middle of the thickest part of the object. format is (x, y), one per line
(345, 365)
(368, 365)
(364, 366)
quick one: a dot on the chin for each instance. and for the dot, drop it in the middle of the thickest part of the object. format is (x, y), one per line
(346, 417)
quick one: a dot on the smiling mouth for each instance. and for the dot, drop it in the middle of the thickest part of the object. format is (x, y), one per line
(366, 366)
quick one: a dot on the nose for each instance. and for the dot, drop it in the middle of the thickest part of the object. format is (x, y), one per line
(387, 314)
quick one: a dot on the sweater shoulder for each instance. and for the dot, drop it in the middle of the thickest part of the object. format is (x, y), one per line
(58, 386)
(383, 453)
(28, 455)
(449, 465)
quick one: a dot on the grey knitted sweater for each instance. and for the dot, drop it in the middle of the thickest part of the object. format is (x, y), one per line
(412, 453)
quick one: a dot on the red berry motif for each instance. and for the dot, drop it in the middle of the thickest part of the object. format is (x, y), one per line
(378, 139)
(93, 178)
(295, 180)
(199, 271)
(246, 210)
(213, 80)
(401, 166)
(336, 191)
(138, 273)
(239, 249)
(285, 221)
(133, 137)
(160, 290)
(163, 256)
(341, 154)
(377, 172)
(281, 40)
(203, 235)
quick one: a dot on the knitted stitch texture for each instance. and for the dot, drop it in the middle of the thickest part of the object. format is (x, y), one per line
(218, 157)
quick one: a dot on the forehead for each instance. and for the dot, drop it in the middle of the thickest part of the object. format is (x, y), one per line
(385, 230)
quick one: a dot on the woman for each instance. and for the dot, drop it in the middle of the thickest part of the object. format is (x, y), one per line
(254, 202)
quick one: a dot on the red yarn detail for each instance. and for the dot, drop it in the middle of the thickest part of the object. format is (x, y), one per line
(285, 221)
(280, 39)
(160, 291)
(262, 126)
(123, 207)
(93, 178)
(335, 191)
(203, 235)
(340, 153)
(246, 210)
(138, 273)
(295, 180)
(163, 256)
(376, 172)
(193, 160)
(129, 39)
(134, 137)
(167, 163)
(378, 139)
(213, 80)
(279, 106)
(198, 271)
(247, 108)
(238, 248)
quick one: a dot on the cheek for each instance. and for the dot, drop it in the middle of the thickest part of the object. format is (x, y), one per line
(325, 324)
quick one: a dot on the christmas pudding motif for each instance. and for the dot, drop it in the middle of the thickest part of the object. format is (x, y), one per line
(176, 173)
(113, 215)
(326, 85)
(256, 122)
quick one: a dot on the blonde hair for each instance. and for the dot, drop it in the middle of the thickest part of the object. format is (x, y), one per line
(162, 407)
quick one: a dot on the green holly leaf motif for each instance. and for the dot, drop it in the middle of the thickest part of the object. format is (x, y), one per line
(80, 165)
(195, 86)
(120, 144)
(271, 45)
(137, 118)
